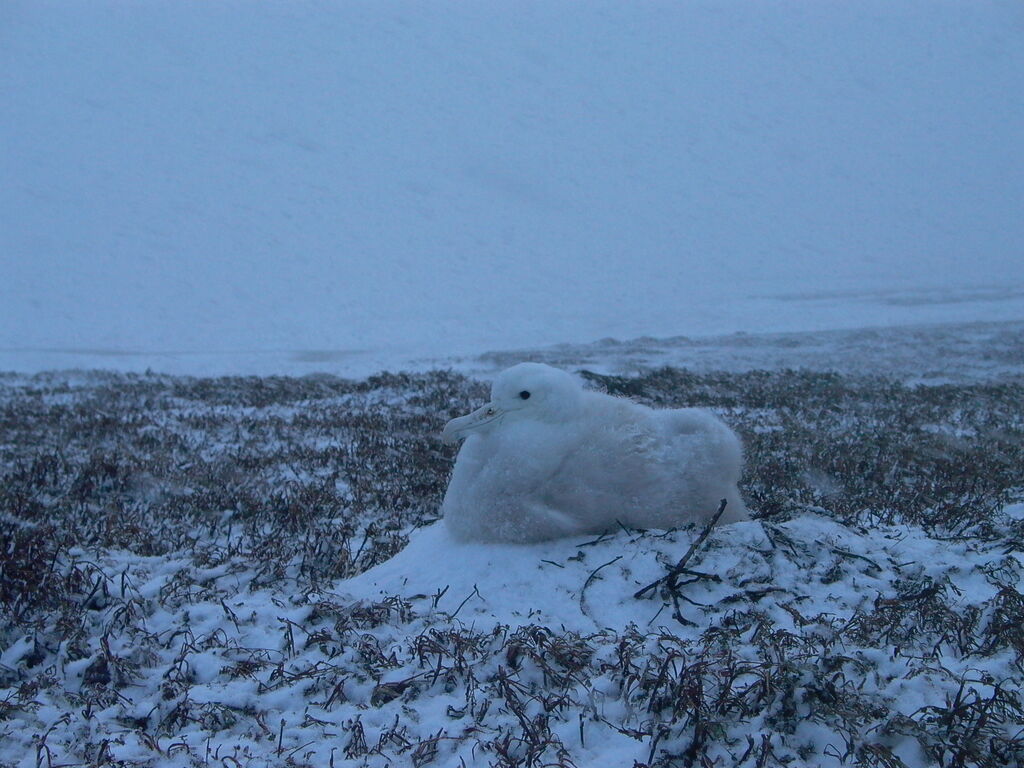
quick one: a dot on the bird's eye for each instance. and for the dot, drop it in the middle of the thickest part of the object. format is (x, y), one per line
(525, 395)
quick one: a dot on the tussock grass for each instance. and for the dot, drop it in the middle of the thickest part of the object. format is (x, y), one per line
(287, 485)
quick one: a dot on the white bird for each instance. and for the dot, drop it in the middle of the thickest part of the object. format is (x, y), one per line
(546, 458)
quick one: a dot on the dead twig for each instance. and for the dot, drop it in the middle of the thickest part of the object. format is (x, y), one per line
(590, 578)
(669, 579)
(855, 556)
(474, 592)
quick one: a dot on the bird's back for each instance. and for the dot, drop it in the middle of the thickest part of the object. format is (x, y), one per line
(709, 456)
(649, 468)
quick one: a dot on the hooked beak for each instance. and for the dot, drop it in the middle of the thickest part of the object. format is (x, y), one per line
(458, 428)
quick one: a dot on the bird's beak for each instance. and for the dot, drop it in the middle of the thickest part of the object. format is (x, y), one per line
(458, 428)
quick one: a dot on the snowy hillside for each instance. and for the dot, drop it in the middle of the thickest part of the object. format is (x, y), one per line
(226, 186)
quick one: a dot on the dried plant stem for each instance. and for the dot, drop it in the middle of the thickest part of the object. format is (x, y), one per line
(680, 567)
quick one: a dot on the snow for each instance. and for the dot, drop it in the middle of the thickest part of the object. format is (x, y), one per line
(527, 583)
(872, 625)
(238, 187)
(546, 459)
(584, 587)
(929, 354)
(231, 187)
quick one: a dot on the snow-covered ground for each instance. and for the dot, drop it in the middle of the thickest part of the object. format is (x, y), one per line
(371, 672)
(237, 187)
(249, 571)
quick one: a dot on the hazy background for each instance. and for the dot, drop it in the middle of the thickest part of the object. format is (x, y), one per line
(224, 186)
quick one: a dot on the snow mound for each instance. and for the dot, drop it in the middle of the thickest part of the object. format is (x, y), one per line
(487, 584)
(808, 632)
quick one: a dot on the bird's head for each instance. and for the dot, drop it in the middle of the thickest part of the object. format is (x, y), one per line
(528, 391)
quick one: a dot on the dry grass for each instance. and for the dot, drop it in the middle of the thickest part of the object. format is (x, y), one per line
(293, 484)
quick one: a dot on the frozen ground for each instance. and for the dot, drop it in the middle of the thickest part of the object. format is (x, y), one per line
(224, 186)
(930, 354)
(933, 354)
(248, 572)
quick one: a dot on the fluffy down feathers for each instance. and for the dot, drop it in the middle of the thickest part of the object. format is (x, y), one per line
(546, 458)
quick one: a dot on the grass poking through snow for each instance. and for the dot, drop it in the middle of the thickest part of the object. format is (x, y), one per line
(171, 551)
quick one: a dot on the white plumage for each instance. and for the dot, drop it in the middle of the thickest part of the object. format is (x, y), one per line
(546, 458)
